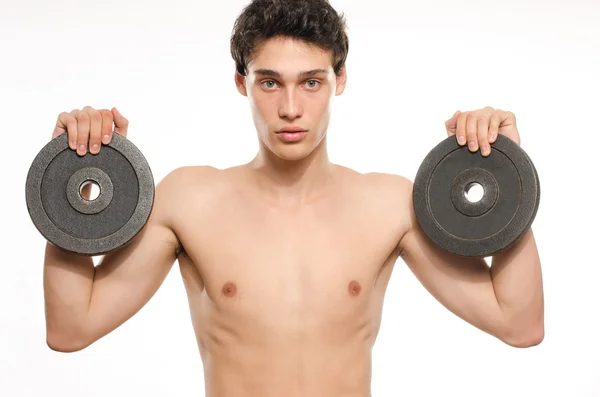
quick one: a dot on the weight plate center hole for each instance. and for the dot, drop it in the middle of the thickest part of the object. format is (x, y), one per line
(89, 190)
(474, 192)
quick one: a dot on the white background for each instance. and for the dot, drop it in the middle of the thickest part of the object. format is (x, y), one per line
(166, 66)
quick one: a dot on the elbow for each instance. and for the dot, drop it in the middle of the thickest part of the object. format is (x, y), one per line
(65, 343)
(525, 338)
(60, 347)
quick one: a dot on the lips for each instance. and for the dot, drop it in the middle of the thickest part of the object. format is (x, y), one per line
(292, 134)
(291, 130)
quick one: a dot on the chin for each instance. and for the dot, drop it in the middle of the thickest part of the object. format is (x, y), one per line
(291, 151)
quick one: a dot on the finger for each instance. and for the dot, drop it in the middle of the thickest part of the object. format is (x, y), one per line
(483, 127)
(61, 125)
(471, 128)
(66, 123)
(461, 129)
(495, 121)
(95, 129)
(451, 123)
(507, 118)
(75, 114)
(83, 132)
(107, 125)
(121, 123)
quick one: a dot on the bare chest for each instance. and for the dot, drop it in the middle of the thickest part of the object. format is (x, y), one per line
(322, 261)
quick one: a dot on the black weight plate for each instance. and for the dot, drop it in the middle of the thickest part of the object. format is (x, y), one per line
(97, 226)
(494, 223)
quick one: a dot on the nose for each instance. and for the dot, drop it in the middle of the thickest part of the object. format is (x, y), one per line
(290, 106)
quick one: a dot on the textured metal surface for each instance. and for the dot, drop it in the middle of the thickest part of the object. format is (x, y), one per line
(507, 209)
(78, 179)
(96, 227)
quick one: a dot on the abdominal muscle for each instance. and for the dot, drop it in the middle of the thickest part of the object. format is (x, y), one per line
(287, 369)
(263, 348)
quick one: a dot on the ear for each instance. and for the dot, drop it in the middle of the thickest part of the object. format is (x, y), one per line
(240, 83)
(341, 81)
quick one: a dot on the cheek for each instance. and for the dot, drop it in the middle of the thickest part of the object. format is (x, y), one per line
(263, 113)
(320, 108)
(263, 105)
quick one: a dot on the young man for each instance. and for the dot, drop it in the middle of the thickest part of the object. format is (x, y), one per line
(286, 259)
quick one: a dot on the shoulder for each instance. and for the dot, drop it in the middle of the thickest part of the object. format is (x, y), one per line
(391, 191)
(387, 198)
(379, 187)
(182, 185)
(377, 181)
(393, 194)
(197, 181)
(388, 183)
(189, 176)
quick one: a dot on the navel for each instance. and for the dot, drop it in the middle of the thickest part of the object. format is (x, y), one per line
(229, 289)
(354, 288)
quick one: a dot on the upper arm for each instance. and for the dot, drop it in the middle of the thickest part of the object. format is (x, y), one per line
(463, 285)
(126, 279)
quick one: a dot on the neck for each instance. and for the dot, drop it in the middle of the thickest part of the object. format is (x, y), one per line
(292, 182)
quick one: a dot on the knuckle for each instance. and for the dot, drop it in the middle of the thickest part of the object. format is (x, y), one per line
(71, 121)
(105, 113)
(95, 116)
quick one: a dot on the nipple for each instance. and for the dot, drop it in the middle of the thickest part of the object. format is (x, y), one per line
(229, 289)
(354, 288)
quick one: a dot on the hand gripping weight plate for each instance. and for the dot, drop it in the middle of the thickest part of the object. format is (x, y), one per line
(98, 226)
(511, 194)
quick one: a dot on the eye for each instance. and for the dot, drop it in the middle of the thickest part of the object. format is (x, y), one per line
(269, 84)
(312, 83)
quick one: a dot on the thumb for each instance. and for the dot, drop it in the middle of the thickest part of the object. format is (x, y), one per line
(121, 123)
(452, 121)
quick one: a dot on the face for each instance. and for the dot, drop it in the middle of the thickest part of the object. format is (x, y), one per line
(290, 85)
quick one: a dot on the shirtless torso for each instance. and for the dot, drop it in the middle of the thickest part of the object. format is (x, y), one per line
(288, 301)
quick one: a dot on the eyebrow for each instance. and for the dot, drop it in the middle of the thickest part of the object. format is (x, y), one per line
(273, 73)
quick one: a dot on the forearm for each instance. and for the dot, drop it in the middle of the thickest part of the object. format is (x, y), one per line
(68, 280)
(517, 281)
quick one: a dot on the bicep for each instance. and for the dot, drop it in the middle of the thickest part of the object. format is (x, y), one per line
(463, 285)
(126, 279)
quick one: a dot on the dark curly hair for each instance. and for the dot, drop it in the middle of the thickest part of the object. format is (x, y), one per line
(312, 21)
